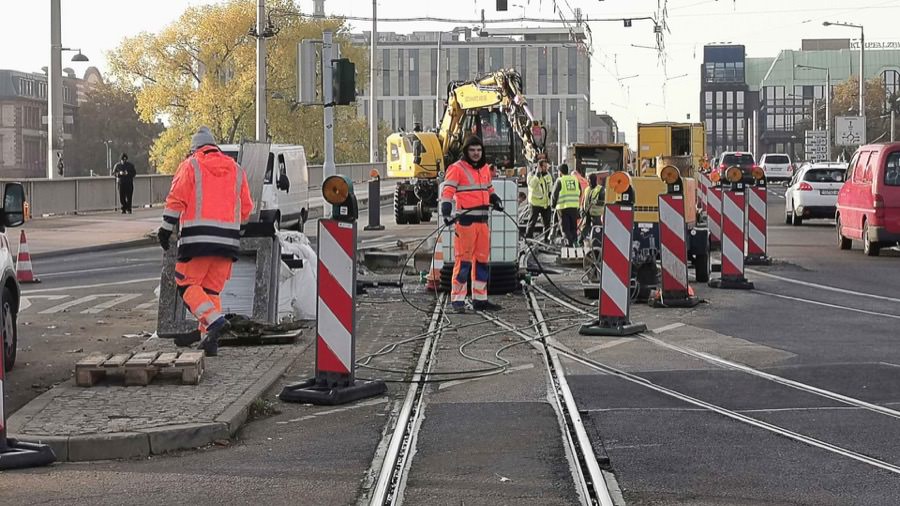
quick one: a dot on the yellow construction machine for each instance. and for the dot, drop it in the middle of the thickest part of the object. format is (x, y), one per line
(492, 107)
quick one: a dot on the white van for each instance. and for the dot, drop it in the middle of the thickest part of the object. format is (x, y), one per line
(285, 193)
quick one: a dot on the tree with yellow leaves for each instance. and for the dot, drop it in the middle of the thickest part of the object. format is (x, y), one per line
(201, 70)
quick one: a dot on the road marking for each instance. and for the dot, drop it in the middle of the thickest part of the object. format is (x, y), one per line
(614, 342)
(99, 269)
(152, 304)
(25, 303)
(825, 304)
(823, 287)
(449, 384)
(665, 328)
(372, 402)
(84, 287)
(120, 298)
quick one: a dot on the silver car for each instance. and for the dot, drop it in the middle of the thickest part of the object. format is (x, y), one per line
(778, 166)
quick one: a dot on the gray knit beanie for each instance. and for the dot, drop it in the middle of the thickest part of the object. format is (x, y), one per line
(203, 137)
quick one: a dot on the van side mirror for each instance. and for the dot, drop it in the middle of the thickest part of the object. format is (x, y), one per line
(14, 205)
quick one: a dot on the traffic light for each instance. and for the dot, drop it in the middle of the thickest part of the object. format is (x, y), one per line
(344, 81)
(501, 5)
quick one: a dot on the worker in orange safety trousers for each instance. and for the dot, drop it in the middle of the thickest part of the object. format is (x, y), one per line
(211, 199)
(468, 182)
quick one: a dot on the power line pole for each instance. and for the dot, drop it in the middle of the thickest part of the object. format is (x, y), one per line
(261, 134)
(55, 95)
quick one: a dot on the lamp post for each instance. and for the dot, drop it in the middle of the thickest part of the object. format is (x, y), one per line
(373, 121)
(55, 118)
(827, 92)
(862, 60)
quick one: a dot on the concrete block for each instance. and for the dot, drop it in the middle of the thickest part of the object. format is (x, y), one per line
(120, 445)
(59, 444)
(184, 436)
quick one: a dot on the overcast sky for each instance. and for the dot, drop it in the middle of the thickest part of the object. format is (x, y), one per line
(764, 26)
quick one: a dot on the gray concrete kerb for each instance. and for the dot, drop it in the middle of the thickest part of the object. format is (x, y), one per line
(152, 441)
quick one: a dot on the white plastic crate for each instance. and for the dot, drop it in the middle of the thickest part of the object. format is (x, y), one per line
(504, 231)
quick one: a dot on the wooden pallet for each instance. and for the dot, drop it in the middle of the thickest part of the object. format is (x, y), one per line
(573, 256)
(140, 368)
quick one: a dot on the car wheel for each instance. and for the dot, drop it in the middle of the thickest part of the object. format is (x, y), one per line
(10, 334)
(843, 242)
(871, 249)
(787, 218)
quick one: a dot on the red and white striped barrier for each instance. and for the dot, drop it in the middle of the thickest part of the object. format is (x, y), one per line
(24, 270)
(18, 454)
(675, 290)
(733, 237)
(334, 382)
(615, 275)
(756, 226)
(714, 215)
(703, 191)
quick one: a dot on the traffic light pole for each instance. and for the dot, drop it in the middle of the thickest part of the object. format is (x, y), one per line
(328, 168)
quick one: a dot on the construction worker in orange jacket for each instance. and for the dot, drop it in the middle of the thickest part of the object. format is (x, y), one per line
(468, 183)
(210, 199)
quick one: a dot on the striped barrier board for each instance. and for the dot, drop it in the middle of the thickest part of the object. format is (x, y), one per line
(703, 190)
(334, 382)
(675, 290)
(615, 275)
(757, 226)
(714, 215)
(733, 238)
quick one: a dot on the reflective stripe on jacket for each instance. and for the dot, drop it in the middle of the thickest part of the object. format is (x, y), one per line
(569, 193)
(471, 189)
(210, 198)
(594, 202)
(539, 190)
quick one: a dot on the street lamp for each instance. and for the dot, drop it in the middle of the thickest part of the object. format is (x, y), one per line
(862, 59)
(827, 92)
(55, 93)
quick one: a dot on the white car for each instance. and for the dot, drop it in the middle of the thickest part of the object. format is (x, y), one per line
(813, 192)
(777, 166)
(11, 215)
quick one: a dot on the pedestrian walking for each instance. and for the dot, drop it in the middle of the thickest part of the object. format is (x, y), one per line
(125, 173)
(539, 185)
(210, 199)
(566, 200)
(468, 183)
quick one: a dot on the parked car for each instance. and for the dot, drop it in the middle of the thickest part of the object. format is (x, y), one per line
(868, 206)
(740, 159)
(778, 166)
(813, 192)
(12, 214)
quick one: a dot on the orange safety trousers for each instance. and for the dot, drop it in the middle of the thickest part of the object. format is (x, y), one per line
(472, 250)
(200, 281)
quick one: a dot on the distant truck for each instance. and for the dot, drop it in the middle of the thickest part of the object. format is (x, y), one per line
(665, 139)
(603, 159)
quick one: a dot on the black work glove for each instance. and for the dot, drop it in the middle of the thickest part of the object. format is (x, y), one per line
(446, 209)
(496, 202)
(164, 235)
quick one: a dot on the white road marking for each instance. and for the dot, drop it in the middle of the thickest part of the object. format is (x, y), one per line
(152, 304)
(825, 304)
(99, 269)
(823, 287)
(614, 342)
(89, 298)
(665, 328)
(83, 287)
(120, 299)
(25, 303)
(372, 402)
(449, 384)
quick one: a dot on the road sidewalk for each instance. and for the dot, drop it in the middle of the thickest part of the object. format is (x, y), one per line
(55, 236)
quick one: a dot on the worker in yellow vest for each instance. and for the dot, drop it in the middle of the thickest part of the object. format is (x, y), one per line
(539, 185)
(593, 206)
(566, 201)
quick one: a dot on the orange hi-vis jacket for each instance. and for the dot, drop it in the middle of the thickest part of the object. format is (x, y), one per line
(471, 188)
(210, 197)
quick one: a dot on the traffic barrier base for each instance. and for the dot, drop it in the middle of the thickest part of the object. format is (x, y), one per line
(334, 381)
(19, 454)
(757, 260)
(661, 299)
(738, 283)
(612, 327)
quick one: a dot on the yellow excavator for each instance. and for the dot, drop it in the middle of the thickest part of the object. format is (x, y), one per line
(492, 107)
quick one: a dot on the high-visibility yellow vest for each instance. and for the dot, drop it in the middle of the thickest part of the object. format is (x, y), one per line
(539, 187)
(594, 202)
(569, 193)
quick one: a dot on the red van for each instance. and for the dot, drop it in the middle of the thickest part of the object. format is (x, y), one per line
(868, 206)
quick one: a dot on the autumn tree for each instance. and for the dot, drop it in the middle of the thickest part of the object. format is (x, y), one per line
(201, 70)
(845, 102)
(108, 117)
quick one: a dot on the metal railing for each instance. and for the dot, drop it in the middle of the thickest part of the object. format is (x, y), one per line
(93, 194)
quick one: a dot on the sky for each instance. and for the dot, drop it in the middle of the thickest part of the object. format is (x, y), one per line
(763, 26)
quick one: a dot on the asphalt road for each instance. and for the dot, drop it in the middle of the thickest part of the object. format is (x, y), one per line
(820, 316)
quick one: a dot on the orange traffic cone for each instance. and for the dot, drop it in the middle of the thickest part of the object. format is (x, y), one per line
(24, 271)
(433, 280)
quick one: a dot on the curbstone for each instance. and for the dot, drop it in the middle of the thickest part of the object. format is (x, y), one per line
(144, 241)
(117, 445)
(184, 436)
